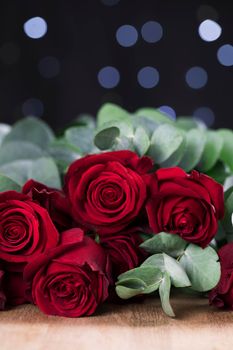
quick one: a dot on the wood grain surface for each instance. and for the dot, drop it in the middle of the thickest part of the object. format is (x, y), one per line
(124, 327)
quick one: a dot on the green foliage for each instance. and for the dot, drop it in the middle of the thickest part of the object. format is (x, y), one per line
(181, 265)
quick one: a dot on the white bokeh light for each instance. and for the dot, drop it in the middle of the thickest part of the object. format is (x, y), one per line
(169, 111)
(225, 55)
(127, 35)
(148, 77)
(109, 77)
(35, 27)
(209, 30)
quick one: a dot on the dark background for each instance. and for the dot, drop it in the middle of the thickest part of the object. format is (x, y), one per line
(81, 36)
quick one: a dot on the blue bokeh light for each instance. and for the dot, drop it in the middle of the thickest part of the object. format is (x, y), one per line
(152, 31)
(33, 107)
(148, 77)
(169, 111)
(196, 77)
(205, 114)
(209, 30)
(225, 55)
(127, 35)
(109, 77)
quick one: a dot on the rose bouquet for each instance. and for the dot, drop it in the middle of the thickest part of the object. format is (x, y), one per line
(129, 205)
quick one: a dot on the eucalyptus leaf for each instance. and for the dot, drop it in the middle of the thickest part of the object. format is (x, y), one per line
(164, 242)
(81, 137)
(212, 150)
(194, 147)
(106, 138)
(168, 264)
(186, 123)
(42, 169)
(202, 267)
(164, 293)
(155, 115)
(110, 112)
(176, 157)
(164, 142)
(31, 130)
(16, 150)
(227, 148)
(7, 184)
(141, 141)
(4, 130)
(148, 274)
(227, 222)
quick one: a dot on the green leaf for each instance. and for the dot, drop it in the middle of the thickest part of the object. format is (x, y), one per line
(165, 243)
(188, 123)
(164, 293)
(227, 149)
(123, 142)
(16, 150)
(81, 137)
(42, 169)
(63, 154)
(195, 142)
(175, 158)
(141, 280)
(31, 130)
(212, 150)
(7, 184)
(106, 138)
(141, 141)
(167, 264)
(131, 288)
(164, 142)
(219, 172)
(4, 130)
(201, 266)
(109, 113)
(155, 115)
(146, 123)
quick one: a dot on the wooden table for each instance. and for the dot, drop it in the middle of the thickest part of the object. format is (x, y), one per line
(123, 327)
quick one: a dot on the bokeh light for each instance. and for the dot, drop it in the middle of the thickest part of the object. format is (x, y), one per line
(205, 114)
(152, 31)
(49, 67)
(33, 107)
(148, 77)
(127, 35)
(196, 77)
(209, 30)
(225, 55)
(169, 111)
(109, 77)
(35, 27)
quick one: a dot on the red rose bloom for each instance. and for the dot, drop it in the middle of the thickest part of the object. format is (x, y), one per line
(222, 295)
(123, 249)
(187, 205)
(107, 191)
(72, 279)
(26, 229)
(51, 199)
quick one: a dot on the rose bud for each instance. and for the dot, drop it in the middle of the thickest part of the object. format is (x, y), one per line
(72, 279)
(26, 229)
(187, 205)
(53, 200)
(222, 295)
(107, 191)
(123, 249)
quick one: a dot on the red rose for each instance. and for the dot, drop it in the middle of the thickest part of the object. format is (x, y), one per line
(187, 205)
(53, 200)
(26, 229)
(2, 293)
(222, 295)
(72, 279)
(123, 249)
(107, 191)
